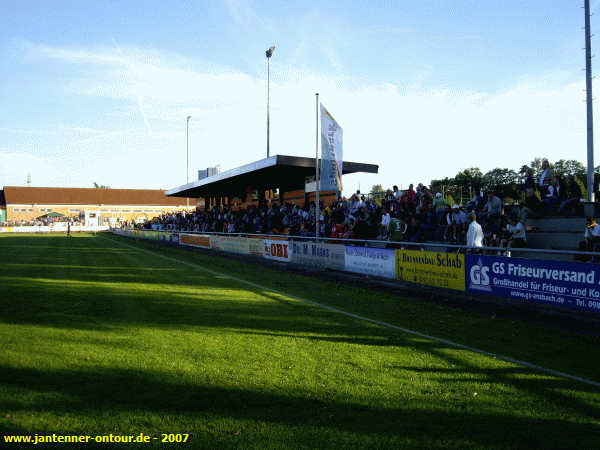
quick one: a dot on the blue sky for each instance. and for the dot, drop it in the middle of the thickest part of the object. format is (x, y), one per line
(99, 91)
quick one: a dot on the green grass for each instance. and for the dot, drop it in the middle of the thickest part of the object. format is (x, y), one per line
(98, 336)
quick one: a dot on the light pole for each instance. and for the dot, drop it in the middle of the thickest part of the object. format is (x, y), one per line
(269, 53)
(589, 105)
(187, 152)
(187, 148)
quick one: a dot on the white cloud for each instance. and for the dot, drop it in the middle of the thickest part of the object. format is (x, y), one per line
(414, 134)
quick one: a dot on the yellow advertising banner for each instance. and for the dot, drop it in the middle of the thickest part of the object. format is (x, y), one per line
(439, 269)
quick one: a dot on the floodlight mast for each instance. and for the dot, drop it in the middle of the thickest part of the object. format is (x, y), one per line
(269, 53)
(187, 147)
(589, 104)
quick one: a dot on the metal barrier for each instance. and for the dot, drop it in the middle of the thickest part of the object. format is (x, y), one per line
(486, 270)
(395, 244)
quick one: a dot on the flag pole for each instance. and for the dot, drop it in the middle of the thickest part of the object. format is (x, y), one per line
(317, 213)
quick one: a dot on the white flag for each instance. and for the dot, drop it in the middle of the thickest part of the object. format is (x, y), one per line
(331, 153)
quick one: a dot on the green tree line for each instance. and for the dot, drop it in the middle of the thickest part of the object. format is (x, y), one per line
(507, 183)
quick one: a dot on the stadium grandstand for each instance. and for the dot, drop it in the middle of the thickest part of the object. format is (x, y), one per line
(22, 205)
(276, 195)
(286, 178)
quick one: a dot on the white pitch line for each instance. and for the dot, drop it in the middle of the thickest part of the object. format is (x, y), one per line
(367, 319)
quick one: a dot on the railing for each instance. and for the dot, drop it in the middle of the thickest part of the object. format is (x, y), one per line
(399, 244)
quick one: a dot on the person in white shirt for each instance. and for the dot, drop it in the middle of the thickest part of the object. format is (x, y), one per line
(518, 238)
(385, 223)
(592, 234)
(474, 234)
(591, 241)
(546, 176)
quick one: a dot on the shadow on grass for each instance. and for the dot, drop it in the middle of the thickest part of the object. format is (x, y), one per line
(213, 303)
(114, 391)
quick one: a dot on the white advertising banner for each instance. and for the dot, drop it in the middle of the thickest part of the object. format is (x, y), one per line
(380, 262)
(329, 256)
(331, 153)
(231, 244)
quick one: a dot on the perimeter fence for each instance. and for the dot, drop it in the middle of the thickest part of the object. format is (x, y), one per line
(527, 275)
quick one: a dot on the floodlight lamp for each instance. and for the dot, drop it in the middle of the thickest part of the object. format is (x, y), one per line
(269, 52)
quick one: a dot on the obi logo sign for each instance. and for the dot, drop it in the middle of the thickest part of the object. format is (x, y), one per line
(277, 250)
(479, 277)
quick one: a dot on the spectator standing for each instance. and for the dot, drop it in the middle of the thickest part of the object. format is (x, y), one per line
(439, 207)
(474, 234)
(397, 229)
(529, 181)
(385, 224)
(546, 177)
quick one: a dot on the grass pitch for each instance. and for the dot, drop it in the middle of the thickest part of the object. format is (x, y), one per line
(100, 334)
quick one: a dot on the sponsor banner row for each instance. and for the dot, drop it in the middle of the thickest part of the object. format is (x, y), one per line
(567, 284)
(276, 249)
(55, 228)
(559, 283)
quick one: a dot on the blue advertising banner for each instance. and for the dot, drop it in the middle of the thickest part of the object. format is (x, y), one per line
(560, 283)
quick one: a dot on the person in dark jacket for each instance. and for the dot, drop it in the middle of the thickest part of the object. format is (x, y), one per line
(572, 196)
(529, 181)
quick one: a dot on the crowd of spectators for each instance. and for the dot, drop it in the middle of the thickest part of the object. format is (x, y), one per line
(412, 215)
(45, 221)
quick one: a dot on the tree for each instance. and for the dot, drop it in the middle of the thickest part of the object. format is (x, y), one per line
(376, 189)
(503, 181)
(570, 167)
(469, 181)
(499, 177)
(536, 165)
(100, 186)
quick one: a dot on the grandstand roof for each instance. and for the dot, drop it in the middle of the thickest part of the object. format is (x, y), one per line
(278, 171)
(18, 195)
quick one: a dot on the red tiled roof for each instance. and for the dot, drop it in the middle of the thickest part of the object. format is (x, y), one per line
(17, 195)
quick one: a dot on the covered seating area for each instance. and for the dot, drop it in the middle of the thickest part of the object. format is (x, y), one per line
(280, 177)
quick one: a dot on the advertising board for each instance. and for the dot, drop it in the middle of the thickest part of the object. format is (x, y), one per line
(256, 247)
(371, 261)
(54, 228)
(195, 240)
(560, 283)
(231, 244)
(438, 269)
(329, 256)
(277, 249)
(169, 237)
